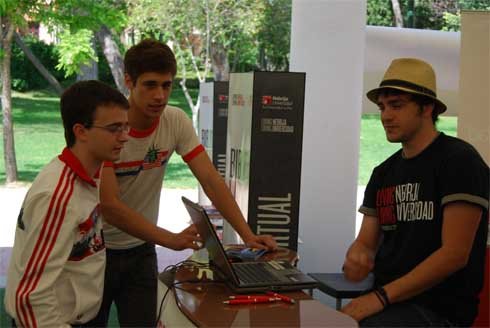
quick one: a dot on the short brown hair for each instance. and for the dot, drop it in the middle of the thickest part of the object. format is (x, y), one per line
(79, 102)
(149, 56)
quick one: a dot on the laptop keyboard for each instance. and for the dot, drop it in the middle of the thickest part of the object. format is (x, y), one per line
(250, 273)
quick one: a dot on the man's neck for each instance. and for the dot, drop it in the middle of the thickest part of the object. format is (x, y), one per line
(136, 119)
(420, 141)
(89, 163)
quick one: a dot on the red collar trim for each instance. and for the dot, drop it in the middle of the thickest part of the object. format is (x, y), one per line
(144, 133)
(73, 162)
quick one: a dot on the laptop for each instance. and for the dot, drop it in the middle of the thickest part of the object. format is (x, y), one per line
(249, 276)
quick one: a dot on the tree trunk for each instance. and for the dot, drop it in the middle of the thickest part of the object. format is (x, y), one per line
(411, 13)
(190, 102)
(397, 12)
(220, 63)
(7, 32)
(114, 57)
(38, 65)
(89, 71)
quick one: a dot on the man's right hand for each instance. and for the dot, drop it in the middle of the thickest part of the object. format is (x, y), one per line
(359, 261)
(187, 238)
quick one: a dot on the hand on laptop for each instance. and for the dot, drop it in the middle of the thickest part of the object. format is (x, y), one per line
(187, 238)
(262, 241)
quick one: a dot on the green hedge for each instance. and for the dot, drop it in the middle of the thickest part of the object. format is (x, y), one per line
(24, 75)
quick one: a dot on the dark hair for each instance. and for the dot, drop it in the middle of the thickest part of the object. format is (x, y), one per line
(419, 99)
(79, 102)
(149, 56)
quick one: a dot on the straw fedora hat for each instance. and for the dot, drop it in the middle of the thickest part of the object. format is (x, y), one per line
(410, 75)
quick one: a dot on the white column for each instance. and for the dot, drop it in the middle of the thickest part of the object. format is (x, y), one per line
(327, 42)
(474, 87)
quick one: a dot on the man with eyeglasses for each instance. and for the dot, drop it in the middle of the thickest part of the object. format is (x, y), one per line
(56, 272)
(131, 187)
(424, 230)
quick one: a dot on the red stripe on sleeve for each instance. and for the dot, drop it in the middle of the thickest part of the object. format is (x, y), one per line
(193, 153)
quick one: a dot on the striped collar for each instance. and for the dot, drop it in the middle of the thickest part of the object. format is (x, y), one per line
(74, 163)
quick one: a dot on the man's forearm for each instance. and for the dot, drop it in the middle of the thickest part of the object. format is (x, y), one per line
(460, 223)
(427, 274)
(131, 222)
(220, 195)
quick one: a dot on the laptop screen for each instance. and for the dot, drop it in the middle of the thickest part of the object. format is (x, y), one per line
(213, 245)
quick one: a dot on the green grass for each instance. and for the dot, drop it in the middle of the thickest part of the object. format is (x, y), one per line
(39, 137)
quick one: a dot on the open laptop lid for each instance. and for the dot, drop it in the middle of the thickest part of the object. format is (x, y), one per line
(213, 245)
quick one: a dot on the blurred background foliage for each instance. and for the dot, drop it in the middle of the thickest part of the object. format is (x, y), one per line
(261, 43)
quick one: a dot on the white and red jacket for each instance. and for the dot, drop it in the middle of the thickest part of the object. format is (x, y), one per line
(56, 272)
(141, 168)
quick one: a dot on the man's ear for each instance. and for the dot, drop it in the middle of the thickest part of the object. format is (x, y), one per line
(428, 109)
(128, 82)
(80, 132)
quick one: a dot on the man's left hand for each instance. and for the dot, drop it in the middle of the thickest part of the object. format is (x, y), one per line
(363, 307)
(262, 241)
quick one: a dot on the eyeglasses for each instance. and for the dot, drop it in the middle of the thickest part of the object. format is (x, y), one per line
(116, 128)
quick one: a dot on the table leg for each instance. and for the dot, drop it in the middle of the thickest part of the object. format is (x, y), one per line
(338, 304)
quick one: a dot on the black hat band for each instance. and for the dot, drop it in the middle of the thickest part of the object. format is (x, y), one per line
(408, 85)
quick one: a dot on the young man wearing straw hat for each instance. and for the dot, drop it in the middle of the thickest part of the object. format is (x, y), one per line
(425, 209)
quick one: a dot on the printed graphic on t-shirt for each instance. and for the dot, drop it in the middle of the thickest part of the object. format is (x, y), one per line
(402, 203)
(154, 158)
(90, 238)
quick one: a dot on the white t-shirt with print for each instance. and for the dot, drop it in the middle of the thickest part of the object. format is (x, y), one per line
(141, 168)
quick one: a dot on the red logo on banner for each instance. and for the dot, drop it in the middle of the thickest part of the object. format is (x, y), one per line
(266, 100)
(222, 98)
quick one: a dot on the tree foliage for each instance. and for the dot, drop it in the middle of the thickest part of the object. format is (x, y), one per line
(77, 21)
(75, 50)
(274, 35)
(452, 21)
(427, 14)
(379, 13)
(66, 15)
(194, 27)
(206, 35)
